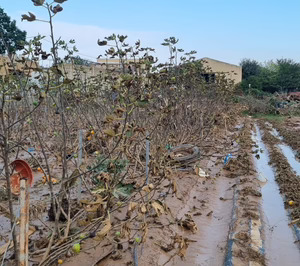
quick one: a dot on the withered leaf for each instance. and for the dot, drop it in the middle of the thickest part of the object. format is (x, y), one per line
(125, 230)
(102, 43)
(29, 18)
(132, 206)
(122, 38)
(159, 209)
(60, 1)
(143, 208)
(38, 2)
(145, 232)
(56, 9)
(104, 231)
(98, 201)
(183, 246)
(109, 132)
(189, 224)
(146, 189)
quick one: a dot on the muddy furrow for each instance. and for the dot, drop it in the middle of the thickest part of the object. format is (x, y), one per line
(279, 245)
(245, 243)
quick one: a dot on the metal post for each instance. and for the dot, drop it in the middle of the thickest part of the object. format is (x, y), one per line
(135, 255)
(23, 223)
(79, 163)
(147, 157)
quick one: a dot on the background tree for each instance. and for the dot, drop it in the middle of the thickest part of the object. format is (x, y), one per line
(288, 75)
(10, 36)
(282, 75)
(77, 60)
(250, 68)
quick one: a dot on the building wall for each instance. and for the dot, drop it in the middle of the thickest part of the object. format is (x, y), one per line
(84, 72)
(6, 68)
(233, 72)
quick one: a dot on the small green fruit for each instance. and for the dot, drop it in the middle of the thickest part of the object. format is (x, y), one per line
(76, 248)
(75, 155)
(118, 234)
(137, 239)
(35, 103)
(82, 236)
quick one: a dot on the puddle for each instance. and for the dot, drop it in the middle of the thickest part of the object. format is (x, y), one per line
(286, 150)
(274, 132)
(279, 238)
(291, 157)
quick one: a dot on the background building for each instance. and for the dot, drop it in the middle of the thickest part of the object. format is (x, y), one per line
(231, 71)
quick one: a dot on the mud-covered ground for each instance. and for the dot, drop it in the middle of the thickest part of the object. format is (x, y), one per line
(204, 216)
(287, 179)
(210, 214)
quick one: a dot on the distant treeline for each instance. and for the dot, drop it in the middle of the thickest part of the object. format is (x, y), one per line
(282, 75)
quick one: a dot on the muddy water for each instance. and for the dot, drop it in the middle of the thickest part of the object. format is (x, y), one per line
(279, 239)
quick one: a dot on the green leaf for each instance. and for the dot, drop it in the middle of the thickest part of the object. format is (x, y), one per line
(129, 133)
(142, 103)
(123, 190)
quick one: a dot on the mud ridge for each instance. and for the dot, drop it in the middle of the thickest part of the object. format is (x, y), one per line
(245, 244)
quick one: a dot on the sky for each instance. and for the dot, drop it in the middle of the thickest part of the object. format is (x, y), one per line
(226, 30)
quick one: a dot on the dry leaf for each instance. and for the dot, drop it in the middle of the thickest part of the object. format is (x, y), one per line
(56, 9)
(102, 43)
(105, 177)
(104, 231)
(132, 206)
(109, 132)
(175, 187)
(183, 246)
(200, 172)
(148, 188)
(29, 18)
(145, 232)
(98, 201)
(159, 209)
(143, 208)
(125, 230)
(189, 224)
(38, 2)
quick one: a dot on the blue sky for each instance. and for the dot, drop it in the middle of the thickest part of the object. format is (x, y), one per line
(227, 30)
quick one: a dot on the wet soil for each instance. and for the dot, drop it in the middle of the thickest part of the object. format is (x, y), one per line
(286, 177)
(279, 238)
